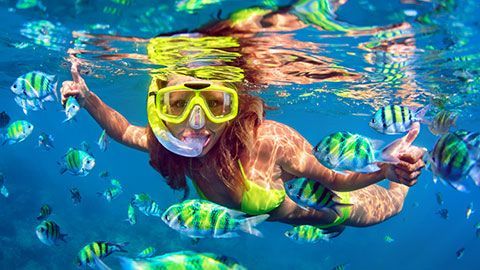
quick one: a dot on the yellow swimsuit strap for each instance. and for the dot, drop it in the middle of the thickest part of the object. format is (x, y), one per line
(256, 199)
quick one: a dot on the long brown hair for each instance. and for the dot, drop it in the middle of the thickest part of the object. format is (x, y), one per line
(236, 139)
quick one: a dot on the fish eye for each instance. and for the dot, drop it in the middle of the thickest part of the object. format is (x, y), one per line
(167, 217)
(15, 86)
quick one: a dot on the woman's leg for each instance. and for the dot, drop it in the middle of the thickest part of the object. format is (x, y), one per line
(374, 204)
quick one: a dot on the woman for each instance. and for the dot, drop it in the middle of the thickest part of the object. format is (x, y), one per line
(215, 134)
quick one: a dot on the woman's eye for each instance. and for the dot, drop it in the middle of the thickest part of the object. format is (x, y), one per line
(213, 103)
(180, 104)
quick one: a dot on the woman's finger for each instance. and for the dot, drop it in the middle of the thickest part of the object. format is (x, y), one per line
(75, 74)
(409, 176)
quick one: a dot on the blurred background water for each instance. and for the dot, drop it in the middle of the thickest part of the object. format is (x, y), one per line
(435, 60)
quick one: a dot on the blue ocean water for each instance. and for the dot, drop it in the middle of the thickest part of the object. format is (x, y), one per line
(434, 62)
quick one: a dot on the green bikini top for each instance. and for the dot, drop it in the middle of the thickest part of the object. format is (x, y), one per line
(256, 200)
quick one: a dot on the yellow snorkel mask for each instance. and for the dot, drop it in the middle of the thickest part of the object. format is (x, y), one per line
(192, 100)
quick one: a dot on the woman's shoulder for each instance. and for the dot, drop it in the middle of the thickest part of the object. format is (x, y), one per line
(276, 129)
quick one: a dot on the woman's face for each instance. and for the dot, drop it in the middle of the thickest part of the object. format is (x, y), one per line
(192, 127)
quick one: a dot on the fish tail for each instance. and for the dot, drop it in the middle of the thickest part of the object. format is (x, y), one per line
(475, 173)
(41, 6)
(248, 225)
(339, 205)
(53, 88)
(100, 264)
(121, 246)
(420, 115)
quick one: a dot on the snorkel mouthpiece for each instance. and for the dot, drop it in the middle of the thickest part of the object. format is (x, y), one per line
(197, 118)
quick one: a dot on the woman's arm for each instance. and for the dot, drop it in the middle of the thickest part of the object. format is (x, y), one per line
(116, 126)
(297, 159)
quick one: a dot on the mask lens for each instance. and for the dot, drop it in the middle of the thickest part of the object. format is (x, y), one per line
(219, 103)
(174, 103)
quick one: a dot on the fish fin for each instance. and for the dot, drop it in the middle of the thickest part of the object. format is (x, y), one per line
(376, 144)
(63, 169)
(41, 6)
(4, 191)
(458, 186)
(369, 168)
(195, 240)
(48, 98)
(248, 225)
(2, 139)
(100, 264)
(121, 246)
(231, 235)
(341, 172)
(420, 114)
(127, 263)
(475, 173)
(236, 213)
(333, 232)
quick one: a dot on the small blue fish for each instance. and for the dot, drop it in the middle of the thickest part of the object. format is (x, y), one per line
(36, 85)
(459, 253)
(4, 119)
(395, 119)
(103, 141)
(442, 122)
(77, 162)
(3, 188)
(45, 141)
(443, 213)
(388, 239)
(75, 195)
(17, 132)
(71, 108)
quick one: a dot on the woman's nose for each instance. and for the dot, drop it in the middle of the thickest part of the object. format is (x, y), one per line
(197, 118)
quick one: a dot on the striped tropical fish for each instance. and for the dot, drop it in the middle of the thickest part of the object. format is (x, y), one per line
(346, 151)
(48, 232)
(308, 234)
(395, 119)
(146, 205)
(103, 141)
(17, 132)
(201, 219)
(442, 122)
(97, 250)
(132, 217)
(183, 260)
(116, 183)
(451, 161)
(36, 85)
(45, 211)
(310, 193)
(76, 162)
(111, 193)
(147, 253)
(71, 108)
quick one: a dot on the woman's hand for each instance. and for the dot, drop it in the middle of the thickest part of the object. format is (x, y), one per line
(76, 88)
(411, 163)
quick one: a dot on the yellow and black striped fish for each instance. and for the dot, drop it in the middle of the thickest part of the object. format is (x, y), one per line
(99, 249)
(45, 211)
(49, 233)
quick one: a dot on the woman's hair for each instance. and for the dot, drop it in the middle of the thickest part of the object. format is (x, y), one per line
(223, 157)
